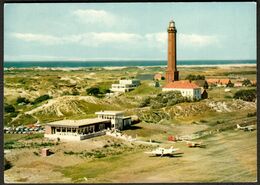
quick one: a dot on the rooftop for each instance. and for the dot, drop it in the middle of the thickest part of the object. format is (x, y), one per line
(110, 112)
(77, 123)
(223, 81)
(182, 84)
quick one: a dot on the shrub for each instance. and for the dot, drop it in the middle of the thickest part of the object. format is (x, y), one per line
(9, 145)
(195, 77)
(230, 84)
(206, 85)
(246, 82)
(75, 92)
(163, 99)
(9, 108)
(33, 136)
(41, 98)
(13, 114)
(93, 91)
(145, 102)
(251, 114)
(7, 164)
(98, 154)
(22, 100)
(69, 153)
(246, 95)
(228, 97)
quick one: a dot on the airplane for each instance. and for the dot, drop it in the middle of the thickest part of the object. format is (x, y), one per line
(163, 151)
(246, 128)
(195, 144)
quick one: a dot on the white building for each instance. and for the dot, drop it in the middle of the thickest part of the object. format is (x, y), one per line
(86, 128)
(76, 129)
(118, 120)
(187, 89)
(125, 85)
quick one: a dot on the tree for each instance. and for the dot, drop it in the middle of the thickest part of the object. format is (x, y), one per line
(230, 84)
(22, 100)
(107, 91)
(206, 85)
(246, 82)
(41, 98)
(200, 77)
(246, 95)
(9, 108)
(145, 102)
(157, 84)
(75, 92)
(95, 91)
(195, 77)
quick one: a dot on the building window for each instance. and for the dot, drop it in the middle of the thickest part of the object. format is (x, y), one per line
(101, 126)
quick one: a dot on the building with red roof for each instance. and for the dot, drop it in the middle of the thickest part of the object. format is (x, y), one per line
(187, 88)
(219, 82)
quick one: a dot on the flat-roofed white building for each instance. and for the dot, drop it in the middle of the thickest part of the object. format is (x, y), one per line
(118, 120)
(77, 129)
(125, 85)
(187, 89)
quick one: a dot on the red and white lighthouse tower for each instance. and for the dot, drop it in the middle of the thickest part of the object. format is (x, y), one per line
(171, 72)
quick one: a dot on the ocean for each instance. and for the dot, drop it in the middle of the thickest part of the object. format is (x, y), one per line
(76, 64)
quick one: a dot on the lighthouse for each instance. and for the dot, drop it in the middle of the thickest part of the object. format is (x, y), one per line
(171, 72)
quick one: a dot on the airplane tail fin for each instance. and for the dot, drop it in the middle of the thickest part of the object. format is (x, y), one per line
(238, 126)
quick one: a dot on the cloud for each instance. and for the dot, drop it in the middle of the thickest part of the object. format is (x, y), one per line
(194, 40)
(29, 37)
(39, 58)
(90, 39)
(190, 40)
(157, 38)
(96, 39)
(91, 16)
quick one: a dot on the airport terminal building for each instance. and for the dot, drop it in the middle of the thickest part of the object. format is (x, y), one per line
(87, 128)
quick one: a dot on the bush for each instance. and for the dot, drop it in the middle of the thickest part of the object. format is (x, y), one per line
(246, 82)
(230, 84)
(195, 77)
(41, 98)
(144, 102)
(206, 85)
(13, 114)
(246, 95)
(22, 100)
(163, 99)
(9, 145)
(251, 114)
(228, 97)
(75, 92)
(7, 164)
(93, 91)
(9, 108)
(33, 136)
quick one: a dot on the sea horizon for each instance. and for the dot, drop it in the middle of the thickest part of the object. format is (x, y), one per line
(120, 63)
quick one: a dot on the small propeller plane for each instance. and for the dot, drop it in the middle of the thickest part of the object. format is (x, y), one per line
(246, 128)
(192, 144)
(163, 151)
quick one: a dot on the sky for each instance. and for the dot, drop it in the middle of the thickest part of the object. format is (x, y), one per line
(128, 31)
